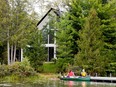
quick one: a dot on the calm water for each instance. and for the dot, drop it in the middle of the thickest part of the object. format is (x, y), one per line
(59, 83)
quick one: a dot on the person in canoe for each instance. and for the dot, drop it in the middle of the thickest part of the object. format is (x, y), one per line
(83, 73)
(71, 73)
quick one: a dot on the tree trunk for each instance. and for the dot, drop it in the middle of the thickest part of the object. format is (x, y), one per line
(8, 53)
(21, 54)
(11, 54)
(14, 52)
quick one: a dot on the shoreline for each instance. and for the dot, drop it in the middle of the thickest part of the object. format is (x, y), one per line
(40, 77)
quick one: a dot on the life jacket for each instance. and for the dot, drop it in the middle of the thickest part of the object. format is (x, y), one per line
(83, 73)
(71, 73)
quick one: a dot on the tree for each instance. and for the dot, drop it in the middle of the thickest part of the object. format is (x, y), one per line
(90, 44)
(108, 25)
(16, 26)
(64, 46)
(4, 28)
(75, 18)
(4, 18)
(36, 50)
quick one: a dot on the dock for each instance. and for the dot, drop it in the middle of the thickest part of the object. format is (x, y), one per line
(103, 79)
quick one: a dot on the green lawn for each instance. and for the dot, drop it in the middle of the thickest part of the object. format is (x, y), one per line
(49, 67)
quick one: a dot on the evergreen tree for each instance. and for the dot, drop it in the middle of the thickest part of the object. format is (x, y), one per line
(75, 18)
(35, 50)
(64, 41)
(108, 25)
(90, 44)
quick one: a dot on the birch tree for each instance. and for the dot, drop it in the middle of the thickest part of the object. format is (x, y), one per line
(4, 28)
(17, 24)
(22, 24)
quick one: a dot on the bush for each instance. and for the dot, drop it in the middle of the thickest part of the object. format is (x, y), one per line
(18, 68)
(3, 70)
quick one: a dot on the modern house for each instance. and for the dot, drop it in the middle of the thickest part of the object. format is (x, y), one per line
(49, 32)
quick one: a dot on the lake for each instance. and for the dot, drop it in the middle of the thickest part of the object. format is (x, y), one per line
(59, 83)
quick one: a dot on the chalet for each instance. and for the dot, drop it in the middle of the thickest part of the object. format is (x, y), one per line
(49, 32)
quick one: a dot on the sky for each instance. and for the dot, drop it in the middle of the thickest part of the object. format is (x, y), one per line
(42, 6)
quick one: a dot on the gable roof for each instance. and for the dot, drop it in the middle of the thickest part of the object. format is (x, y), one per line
(44, 18)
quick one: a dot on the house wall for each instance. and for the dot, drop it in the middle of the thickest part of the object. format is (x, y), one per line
(48, 34)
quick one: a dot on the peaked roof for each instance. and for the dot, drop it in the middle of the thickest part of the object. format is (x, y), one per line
(57, 12)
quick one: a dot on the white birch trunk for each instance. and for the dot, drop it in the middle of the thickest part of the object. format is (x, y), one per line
(55, 44)
(11, 56)
(14, 52)
(8, 53)
(21, 54)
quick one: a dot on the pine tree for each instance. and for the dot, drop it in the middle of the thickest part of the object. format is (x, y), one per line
(36, 50)
(90, 44)
(75, 18)
(108, 26)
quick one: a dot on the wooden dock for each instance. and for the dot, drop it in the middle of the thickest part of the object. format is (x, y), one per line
(104, 79)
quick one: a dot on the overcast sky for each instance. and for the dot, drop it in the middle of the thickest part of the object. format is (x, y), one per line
(42, 6)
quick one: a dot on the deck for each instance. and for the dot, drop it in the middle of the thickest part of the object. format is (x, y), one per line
(103, 79)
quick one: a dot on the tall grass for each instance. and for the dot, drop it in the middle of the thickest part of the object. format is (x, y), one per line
(17, 79)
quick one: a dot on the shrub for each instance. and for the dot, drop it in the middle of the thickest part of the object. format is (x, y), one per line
(18, 68)
(3, 70)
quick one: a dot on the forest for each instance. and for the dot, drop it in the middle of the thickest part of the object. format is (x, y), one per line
(85, 37)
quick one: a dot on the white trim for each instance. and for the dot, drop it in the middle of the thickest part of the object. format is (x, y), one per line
(50, 45)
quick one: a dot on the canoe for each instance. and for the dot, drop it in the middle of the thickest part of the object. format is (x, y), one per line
(76, 78)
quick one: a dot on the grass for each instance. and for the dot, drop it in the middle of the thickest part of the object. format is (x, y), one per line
(40, 78)
(15, 78)
(49, 67)
(49, 72)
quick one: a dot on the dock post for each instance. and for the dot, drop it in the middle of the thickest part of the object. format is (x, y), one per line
(96, 74)
(110, 74)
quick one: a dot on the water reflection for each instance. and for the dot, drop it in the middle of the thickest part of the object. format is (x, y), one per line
(83, 84)
(76, 84)
(87, 84)
(70, 84)
(59, 83)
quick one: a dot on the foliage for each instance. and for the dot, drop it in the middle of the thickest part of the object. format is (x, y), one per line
(90, 44)
(16, 25)
(36, 51)
(96, 35)
(65, 44)
(108, 25)
(4, 20)
(3, 70)
(21, 69)
(4, 25)
(63, 64)
(3, 56)
(17, 79)
(112, 68)
(64, 41)
(21, 23)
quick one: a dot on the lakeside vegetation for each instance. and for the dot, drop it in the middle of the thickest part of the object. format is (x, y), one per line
(85, 38)
(23, 72)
